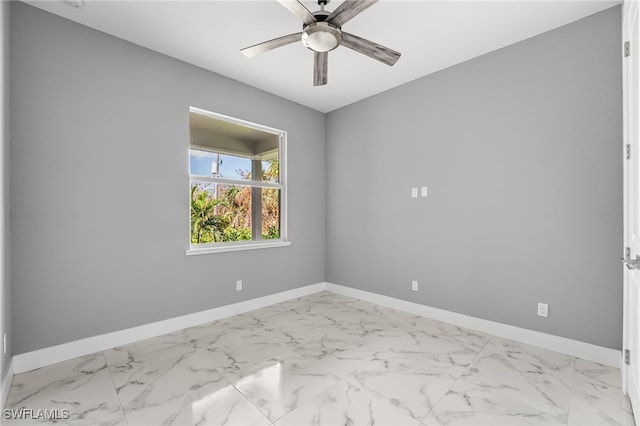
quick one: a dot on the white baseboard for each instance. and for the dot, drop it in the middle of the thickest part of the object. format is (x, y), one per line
(66, 351)
(588, 351)
(51, 355)
(5, 384)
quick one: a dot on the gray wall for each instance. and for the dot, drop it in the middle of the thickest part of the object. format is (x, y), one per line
(5, 290)
(521, 151)
(99, 186)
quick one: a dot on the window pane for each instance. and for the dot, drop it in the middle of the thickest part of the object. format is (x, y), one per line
(223, 213)
(232, 150)
(220, 213)
(271, 170)
(213, 164)
(270, 214)
(206, 163)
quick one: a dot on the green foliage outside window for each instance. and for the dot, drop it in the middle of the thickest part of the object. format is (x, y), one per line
(222, 212)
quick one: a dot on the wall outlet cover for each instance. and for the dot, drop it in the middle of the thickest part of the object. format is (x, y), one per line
(543, 310)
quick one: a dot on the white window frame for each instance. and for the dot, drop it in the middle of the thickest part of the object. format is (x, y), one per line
(195, 249)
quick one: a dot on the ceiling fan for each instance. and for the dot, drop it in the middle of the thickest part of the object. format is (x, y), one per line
(322, 32)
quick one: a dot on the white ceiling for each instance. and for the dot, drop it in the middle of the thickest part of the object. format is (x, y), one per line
(431, 35)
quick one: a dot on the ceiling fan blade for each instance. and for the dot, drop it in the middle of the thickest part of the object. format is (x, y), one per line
(348, 10)
(299, 10)
(320, 63)
(369, 48)
(256, 49)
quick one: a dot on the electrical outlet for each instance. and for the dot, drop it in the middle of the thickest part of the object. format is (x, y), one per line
(543, 310)
(424, 191)
(414, 192)
(414, 285)
(238, 285)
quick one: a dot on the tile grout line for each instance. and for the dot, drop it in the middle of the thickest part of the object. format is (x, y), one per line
(237, 390)
(224, 377)
(184, 340)
(459, 377)
(115, 390)
(573, 386)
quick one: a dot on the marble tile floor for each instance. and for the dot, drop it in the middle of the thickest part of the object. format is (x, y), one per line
(323, 359)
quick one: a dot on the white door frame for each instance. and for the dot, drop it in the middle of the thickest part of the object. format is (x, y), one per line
(4, 112)
(631, 187)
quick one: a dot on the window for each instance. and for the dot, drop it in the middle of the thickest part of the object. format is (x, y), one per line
(237, 185)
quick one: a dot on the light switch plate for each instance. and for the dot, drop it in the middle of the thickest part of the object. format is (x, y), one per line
(414, 192)
(424, 191)
(543, 310)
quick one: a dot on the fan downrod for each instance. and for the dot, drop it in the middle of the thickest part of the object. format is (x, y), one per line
(321, 15)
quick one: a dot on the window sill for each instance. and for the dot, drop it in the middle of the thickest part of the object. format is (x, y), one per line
(236, 247)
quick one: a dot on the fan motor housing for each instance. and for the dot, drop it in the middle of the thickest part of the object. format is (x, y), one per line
(321, 15)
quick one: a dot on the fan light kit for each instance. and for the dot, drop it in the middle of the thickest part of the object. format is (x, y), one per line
(321, 37)
(322, 32)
